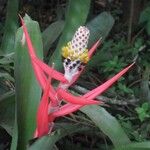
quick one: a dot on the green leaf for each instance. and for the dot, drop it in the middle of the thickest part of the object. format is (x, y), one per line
(143, 112)
(51, 33)
(7, 111)
(28, 92)
(135, 146)
(148, 27)
(48, 142)
(145, 106)
(76, 16)
(145, 15)
(145, 18)
(100, 27)
(101, 56)
(124, 88)
(10, 29)
(107, 123)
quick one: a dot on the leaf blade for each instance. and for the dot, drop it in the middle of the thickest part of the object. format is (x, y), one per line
(135, 146)
(11, 25)
(51, 33)
(48, 142)
(107, 123)
(99, 27)
(27, 89)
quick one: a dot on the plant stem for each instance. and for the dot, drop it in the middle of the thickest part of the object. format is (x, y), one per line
(145, 91)
(130, 21)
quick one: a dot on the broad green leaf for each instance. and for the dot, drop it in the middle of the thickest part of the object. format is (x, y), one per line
(51, 33)
(145, 18)
(28, 92)
(7, 111)
(10, 29)
(148, 27)
(145, 15)
(76, 16)
(100, 27)
(107, 123)
(135, 146)
(48, 142)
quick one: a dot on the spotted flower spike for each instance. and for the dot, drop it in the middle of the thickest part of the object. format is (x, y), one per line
(76, 53)
(90, 53)
(75, 56)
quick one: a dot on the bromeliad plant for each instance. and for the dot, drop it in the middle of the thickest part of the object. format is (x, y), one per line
(57, 102)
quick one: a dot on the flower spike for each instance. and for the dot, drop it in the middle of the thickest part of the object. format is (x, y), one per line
(76, 53)
(76, 75)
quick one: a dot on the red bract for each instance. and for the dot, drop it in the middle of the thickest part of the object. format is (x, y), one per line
(50, 106)
(56, 75)
(42, 118)
(70, 108)
(74, 99)
(39, 74)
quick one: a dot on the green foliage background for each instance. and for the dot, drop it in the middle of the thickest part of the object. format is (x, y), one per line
(122, 125)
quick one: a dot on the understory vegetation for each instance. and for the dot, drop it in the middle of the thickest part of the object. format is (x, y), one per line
(123, 122)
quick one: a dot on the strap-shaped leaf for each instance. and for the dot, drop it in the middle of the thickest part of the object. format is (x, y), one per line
(51, 33)
(100, 27)
(28, 92)
(135, 146)
(11, 25)
(48, 142)
(107, 123)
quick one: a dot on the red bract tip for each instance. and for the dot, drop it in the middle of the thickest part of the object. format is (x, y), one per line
(90, 53)
(29, 43)
(100, 89)
(93, 48)
(70, 108)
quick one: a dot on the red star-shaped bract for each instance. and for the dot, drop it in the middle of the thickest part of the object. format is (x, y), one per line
(50, 106)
